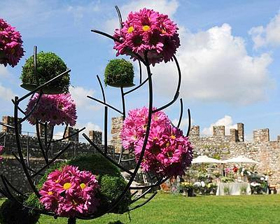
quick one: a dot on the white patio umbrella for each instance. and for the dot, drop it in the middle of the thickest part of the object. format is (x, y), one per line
(240, 159)
(206, 159)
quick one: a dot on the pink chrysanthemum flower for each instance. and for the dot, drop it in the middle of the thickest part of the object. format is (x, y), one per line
(150, 31)
(168, 151)
(1, 151)
(10, 44)
(70, 192)
(55, 109)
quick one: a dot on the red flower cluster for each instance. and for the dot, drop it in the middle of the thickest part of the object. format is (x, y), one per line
(168, 151)
(10, 44)
(150, 31)
(70, 192)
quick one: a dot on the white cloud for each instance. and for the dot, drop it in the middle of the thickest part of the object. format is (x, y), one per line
(225, 121)
(79, 94)
(167, 7)
(4, 73)
(268, 35)
(6, 93)
(216, 68)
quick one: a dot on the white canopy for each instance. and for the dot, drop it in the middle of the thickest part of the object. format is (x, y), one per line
(205, 159)
(240, 159)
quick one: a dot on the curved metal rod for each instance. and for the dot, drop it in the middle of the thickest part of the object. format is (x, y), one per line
(6, 125)
(177, 90)
(69, 136)
(106, 35)
(105, 117)
(120, 16)
(141, 196)
(43, 85)
(28, 167)
(117, 40)
(108, 105)
(137, 86)
(189, 127)
(9, 195)
(151, 185)
(140, 72)
(29, 179)
(124, 113)
(51, 161)
(181, 113)
(11, 186)
(40, 141)
(117, 201)
(32, 110)
(103, 154)
(169, 104)
(138, 206)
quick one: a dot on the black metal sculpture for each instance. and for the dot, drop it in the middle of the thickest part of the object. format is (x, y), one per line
(10, 191)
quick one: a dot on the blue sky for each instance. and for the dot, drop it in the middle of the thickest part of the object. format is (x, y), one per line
(229, 57)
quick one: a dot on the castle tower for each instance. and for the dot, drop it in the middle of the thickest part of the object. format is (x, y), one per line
(219, 131)
(233, 135)
(70, 131)
(8, 120)
(240, 129)
(117, 123)
(195, 131)
(95, 136)
(261, 135)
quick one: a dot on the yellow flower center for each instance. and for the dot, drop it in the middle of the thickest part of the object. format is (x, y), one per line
(66, 186)
(173, 137)
(50, 193)
(167, 144)
(146, 28)
(82, 185)
(130, 29)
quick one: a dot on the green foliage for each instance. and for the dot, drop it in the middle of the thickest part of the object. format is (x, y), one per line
(171, 209)
(119, 72)
(11, 212)
(109, 178)
(49, 65)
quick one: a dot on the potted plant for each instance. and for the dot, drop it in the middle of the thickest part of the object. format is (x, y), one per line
(49, 65)
(119, 73)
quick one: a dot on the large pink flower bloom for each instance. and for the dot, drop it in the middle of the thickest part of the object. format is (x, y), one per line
(149, 31)
(70, 192)
(55, 109)
(10, 44)
(168, 151)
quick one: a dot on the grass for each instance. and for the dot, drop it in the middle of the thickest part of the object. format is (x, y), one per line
(171, 209)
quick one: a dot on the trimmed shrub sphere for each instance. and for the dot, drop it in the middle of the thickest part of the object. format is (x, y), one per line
(119, 73)
(49, 65)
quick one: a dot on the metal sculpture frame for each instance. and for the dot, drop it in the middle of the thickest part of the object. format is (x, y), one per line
(11, 192)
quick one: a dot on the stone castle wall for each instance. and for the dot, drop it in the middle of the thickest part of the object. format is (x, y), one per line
(222, 146)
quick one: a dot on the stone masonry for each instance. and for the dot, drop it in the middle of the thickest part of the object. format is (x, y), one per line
(223, 146)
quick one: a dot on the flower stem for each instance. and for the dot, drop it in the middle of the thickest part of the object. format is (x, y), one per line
(72, 220)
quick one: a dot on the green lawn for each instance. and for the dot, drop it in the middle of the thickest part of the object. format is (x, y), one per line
(174, 209)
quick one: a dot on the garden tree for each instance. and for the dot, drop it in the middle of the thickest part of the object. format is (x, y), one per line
(89, 187)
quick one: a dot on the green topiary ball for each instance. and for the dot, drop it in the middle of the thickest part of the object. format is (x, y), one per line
(49, 65)
(12, 212)
(119, 73)
(109, 178)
